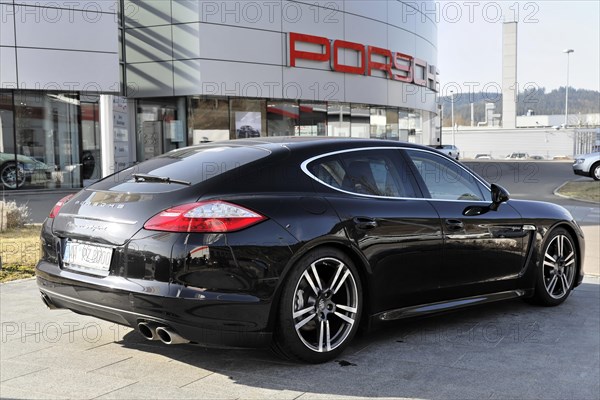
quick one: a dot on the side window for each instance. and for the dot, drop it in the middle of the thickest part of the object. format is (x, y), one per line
(370, 172)
(446, 180)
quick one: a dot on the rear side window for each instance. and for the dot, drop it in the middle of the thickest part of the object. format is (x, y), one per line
(190, 164)
(367, 172)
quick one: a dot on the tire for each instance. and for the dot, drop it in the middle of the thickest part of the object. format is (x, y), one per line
(595, 171)
(557, 270)
(12, 176)
(320, 307)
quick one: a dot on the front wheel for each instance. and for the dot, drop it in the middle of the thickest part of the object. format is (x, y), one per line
(595, 171)
(559, 267)
(12, 175)
(320, 307)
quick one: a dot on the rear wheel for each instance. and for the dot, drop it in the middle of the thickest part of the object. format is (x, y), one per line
(320, 307)
(559, 267)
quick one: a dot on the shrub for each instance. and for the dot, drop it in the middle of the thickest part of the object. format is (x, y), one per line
(12, 215)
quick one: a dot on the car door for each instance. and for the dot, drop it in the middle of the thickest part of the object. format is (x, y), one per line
(483, 251)
(379, 204)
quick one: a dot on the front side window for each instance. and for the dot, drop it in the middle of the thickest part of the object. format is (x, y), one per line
(367, 172)
(446, 180)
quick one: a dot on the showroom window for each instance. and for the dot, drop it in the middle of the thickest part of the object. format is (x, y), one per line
(384, 123)
(208, 119)
(282, 118)
(91, 168)
(313, 119)
(47, 140)
(338, 119)
(160, 126)
(360, 117)
(11, 175)
(247, 118)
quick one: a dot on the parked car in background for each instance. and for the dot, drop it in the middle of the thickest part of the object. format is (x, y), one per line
(448, 149)
(588, 165)
(517, 156)
(483, 157)
(15, 173)
(246, 132)
(536, 158)
(296, 242)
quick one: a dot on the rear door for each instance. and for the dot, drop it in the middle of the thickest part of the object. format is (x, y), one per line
(378, 202)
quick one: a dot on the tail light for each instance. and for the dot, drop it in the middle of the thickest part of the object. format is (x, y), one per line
(205, 216)
(59, 205)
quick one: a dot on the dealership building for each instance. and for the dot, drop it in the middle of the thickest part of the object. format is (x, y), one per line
(90, 87)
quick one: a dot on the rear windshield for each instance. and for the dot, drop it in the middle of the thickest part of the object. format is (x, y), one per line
(190, 164)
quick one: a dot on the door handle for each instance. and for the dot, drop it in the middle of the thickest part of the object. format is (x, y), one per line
(365, 223)
(454, 225)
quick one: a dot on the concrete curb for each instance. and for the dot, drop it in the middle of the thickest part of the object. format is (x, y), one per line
(17, 281)
(555, 192)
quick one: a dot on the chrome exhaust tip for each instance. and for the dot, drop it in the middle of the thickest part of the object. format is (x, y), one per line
(47, 301)
(168, 336)
(148, 330)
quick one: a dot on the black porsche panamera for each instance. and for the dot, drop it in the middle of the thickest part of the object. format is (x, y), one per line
(295, 243)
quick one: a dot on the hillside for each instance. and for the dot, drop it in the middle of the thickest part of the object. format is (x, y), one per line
(580, 101)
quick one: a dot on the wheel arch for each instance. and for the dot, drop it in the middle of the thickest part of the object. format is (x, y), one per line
(360, 262)
(576, 234)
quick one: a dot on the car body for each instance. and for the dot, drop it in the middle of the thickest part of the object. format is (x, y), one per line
(517, 156)
(295, 242)
(448, 149)
(588, 165)
(484, 157)
(16, 173)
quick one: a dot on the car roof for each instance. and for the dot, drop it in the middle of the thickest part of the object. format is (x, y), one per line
(325, 143)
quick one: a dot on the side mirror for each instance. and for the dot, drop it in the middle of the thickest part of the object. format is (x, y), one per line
(499, 196)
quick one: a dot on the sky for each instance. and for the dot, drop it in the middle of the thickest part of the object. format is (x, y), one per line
(470, 43)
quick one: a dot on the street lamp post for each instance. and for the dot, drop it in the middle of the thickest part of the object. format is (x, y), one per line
(452, 102)
(568, 52)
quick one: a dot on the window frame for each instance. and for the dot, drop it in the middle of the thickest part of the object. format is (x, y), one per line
(481, 185)
(413, 173)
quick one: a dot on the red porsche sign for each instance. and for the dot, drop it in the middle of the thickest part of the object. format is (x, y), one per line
(393, 65)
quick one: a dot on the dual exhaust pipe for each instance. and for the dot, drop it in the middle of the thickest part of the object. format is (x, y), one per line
(154, 331)
(149, 330)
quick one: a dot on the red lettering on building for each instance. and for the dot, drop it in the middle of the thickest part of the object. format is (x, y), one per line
(382, 66)
(403, 63)
(308, 55)
(349, 69)
(370, 59)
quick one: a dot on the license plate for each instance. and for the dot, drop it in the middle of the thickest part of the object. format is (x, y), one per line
(89, 258)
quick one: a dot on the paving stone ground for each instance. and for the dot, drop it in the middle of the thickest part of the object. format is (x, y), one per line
(508, 350)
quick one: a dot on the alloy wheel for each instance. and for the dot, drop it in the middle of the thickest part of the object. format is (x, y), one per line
(325, 304)
(12, 176)
(596, 172)
(559, 266)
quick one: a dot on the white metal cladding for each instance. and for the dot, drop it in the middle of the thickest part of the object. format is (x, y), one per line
(240, 48)
(59, 45)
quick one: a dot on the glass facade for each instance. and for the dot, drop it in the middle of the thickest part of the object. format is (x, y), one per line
(48, 140)
(212, 119)
(52, 140)
(160, 126)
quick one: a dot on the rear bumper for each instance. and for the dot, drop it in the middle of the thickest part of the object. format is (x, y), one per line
(222, 319)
